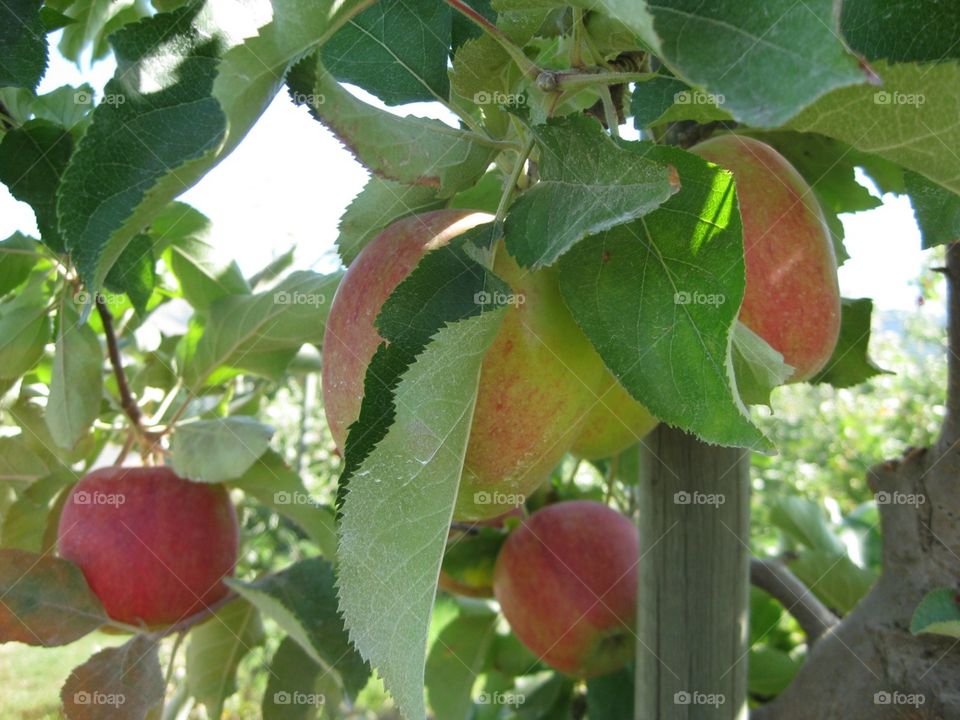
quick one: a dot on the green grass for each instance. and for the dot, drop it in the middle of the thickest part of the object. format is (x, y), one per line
(30, 677)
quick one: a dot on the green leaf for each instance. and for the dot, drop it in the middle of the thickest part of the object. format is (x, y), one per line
(482, 69)
(54, 19)
(46, 600)
(804, 522)
(23, 43)
(122, 683)
(681, 316)
(18, 463)
(66, 106)
(456, 658)
(380, 203)
(833, 578)
(910, 121)
(587, 185)
(24, 332)
(938, 613)
(292, 684)
(850, 363)
(134, 273)
(213, 451)
(76, 385)
(27, 520)
(396, 50)
(652, 98)
(88, 16)
(757, 366)
(769, 671)
(611, 696)
(633, 14)
(18, 256)
(32, 159)
(386, 551)
(413, 150)
(172, 127)
(302, 600)
(216, 649)
(204, 273)
(879, 29)
(274, 484)
(936, 209)
(261, 333)
(741, 52)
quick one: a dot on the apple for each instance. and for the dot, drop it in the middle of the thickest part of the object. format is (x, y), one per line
(471, 554)
(615, 423)
(566, 581)
(153, 546)
(537, 382)
(791, 299)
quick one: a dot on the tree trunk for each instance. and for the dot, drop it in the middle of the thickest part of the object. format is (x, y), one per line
(693, 609)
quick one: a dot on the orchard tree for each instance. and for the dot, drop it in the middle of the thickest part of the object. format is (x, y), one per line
(540, 368)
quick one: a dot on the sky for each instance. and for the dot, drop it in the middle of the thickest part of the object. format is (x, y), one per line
(289, 181)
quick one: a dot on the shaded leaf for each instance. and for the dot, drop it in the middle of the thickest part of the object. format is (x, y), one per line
(850, 363)
(936, 209)
(134, 273)
(18, 462)
(611, 696)
(18, 256)
(805, 522)
(456, 658)
(23, 43)
(76, 385)
(833, 578)
(757, 366)
(938, 613)
(769, 671)
(213, 451)
(27, 520)
(24, 332)
(46, 601)
(291, 692)
(880, 29)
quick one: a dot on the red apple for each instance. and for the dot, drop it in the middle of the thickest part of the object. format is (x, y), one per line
(153, 546)
(566, 580)
(538, 378)
(791, 299)
(615, 423)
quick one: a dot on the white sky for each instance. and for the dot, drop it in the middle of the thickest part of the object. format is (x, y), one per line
(289, 181)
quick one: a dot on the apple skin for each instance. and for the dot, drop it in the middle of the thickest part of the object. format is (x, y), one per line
(792, 299)
(615, 423)
(158, 556)
(551, 573)
(538, 378)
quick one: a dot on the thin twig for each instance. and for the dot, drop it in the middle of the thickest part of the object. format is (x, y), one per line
(526, 65)
(775, 578)
(127, 401)
(197, 618)
(511, 184)
(950, 431)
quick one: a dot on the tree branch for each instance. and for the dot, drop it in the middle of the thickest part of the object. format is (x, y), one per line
(950, 432)
(775, 578)
(127, 401)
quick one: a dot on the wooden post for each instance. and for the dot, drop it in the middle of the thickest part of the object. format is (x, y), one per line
(693, 606)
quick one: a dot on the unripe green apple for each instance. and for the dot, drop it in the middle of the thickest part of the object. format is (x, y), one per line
(153, 546)
(537, 381)
(791, 299)
(471, 554)
(566, 581)
(615, 423)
